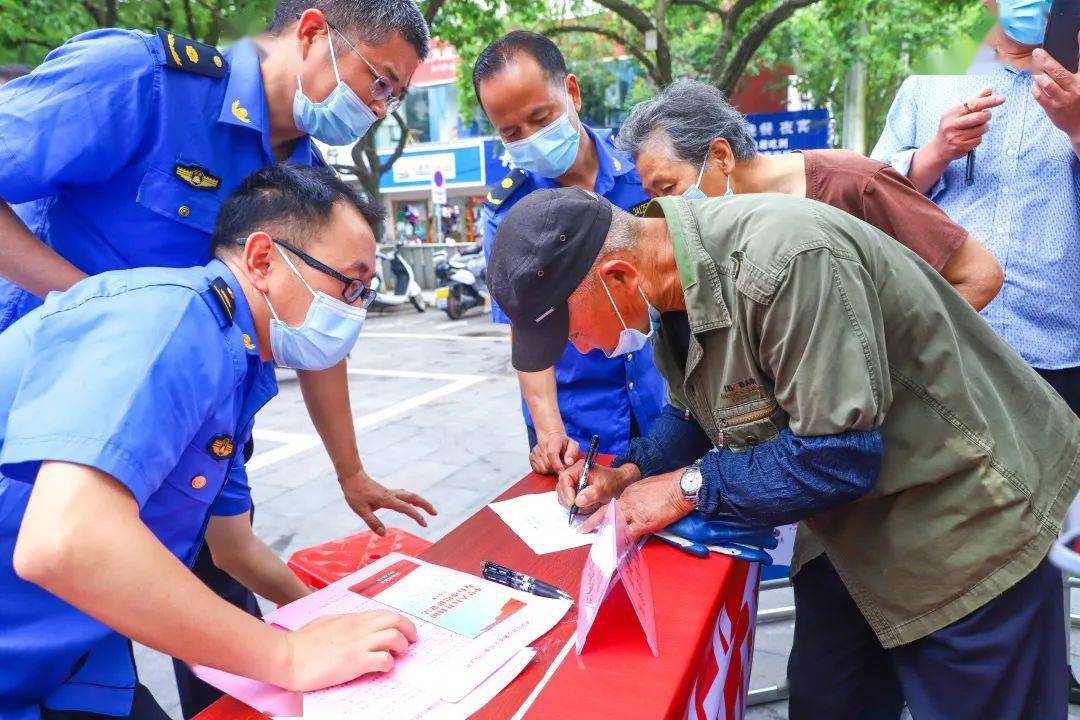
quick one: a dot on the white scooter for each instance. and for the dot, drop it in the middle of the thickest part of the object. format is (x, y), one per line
(406, 289)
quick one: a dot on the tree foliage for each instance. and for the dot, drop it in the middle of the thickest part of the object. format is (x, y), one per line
(889, 37)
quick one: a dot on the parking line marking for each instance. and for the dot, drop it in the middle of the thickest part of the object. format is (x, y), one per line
(389, 413)
(433, 336)
(295, 443)
(413, 374)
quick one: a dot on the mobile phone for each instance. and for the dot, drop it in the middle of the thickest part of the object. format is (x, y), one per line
(1061, 33)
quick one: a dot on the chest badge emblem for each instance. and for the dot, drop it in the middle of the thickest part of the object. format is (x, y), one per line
(222, 447)
(197, 177)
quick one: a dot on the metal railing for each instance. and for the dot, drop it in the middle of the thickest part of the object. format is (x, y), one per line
(771, 693)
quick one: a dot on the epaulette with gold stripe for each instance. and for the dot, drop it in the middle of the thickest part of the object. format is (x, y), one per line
(505, 188)
(185, 54)
(225, 299)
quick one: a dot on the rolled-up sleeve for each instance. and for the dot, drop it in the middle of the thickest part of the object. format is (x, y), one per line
(79, 117)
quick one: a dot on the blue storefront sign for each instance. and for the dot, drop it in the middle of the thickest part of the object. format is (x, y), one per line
(785, 131)
(469, 163)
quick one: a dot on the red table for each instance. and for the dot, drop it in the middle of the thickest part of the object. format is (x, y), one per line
(704, 618)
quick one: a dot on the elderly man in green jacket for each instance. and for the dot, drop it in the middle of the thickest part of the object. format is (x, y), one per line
(824, 373)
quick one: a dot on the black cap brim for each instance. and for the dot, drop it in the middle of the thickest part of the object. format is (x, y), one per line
(538, 346)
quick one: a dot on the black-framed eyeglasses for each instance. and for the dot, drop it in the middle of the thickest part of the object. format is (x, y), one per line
(355, 289)
(382, 88)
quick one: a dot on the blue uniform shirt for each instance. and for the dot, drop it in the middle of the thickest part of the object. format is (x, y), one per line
(116, 159)
(597, 396)
(142, 375)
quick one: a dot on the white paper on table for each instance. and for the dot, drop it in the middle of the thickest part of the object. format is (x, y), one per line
(442, 662)
(541, 522)
(379, 695)
(384, 696)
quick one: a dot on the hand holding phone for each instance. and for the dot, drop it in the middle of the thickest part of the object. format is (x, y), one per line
(1062, 39)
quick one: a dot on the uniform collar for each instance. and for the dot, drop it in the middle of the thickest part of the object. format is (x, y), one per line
(698, 273)
(242, 316)
(245, 98)
(611, 163)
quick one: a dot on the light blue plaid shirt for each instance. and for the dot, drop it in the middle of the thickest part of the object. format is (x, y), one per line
(1024, 204)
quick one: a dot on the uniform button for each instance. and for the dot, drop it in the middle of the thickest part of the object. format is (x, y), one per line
(1005, 189)
(184, 211)
(198, 482)
(1010, 152)
(629, 357)
(631, 386)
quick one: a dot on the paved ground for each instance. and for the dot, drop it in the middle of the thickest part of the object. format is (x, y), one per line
(437, 412)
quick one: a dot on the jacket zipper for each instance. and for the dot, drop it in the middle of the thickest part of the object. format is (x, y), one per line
(748, 417)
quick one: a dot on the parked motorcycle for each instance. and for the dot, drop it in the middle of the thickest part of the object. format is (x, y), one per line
(462, 280)
(406, 289)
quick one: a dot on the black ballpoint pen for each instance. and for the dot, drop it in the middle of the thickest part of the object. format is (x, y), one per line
(519, 581)
(590, 458)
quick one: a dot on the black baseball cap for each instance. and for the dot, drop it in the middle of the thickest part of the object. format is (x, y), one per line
(543, 249)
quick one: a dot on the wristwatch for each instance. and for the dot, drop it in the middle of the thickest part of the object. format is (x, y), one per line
(690, 483)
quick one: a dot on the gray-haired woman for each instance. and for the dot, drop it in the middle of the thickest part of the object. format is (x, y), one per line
(689, 141)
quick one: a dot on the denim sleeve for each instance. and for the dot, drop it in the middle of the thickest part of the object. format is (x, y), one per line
(674, 441)
(790, 478)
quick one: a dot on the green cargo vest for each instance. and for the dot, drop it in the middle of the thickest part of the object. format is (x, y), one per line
(805, 317)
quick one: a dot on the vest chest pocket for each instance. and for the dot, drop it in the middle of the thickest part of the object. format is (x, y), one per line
(170, 197)
(745, 427)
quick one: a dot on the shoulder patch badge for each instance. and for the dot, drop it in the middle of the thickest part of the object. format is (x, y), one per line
(505, 188)
(639, 209)
(222, 446)
(197, 177)
(224, 296)
(182, 53)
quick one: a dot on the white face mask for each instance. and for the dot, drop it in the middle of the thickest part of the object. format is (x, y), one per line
(631, 339)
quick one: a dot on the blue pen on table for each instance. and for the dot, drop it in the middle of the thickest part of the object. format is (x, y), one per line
(583, 481)
(520, 581)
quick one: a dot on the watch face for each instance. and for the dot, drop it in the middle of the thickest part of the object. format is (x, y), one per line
(690, 481)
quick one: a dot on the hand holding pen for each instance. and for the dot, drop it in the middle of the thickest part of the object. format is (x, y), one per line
(583, 479)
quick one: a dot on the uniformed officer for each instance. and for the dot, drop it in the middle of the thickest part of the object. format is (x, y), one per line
(523, 85)
(119, 150)
(123, 404)
(834, 377)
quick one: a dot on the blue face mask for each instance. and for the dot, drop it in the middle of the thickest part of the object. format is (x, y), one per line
(631, 339)
(551, 150)
(1024, 20)
(328, 333)
(694, 192)
(340, 119)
